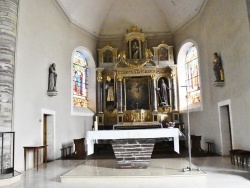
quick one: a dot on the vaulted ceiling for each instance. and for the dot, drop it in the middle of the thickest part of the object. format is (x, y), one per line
(113, 17)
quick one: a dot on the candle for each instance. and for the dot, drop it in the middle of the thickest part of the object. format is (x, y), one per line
(96, 126)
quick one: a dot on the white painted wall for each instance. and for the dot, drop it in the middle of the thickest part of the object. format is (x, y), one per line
(222, 27)
(45, 35)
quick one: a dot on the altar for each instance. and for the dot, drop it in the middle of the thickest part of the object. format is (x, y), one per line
(132, 148)
(136, 85)
(136, 92)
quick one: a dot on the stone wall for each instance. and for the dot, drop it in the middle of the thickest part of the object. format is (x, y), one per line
(133, 153)
(8, 24)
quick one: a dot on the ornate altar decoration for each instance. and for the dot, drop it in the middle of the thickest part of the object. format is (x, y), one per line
(136, 85)
(163, 53)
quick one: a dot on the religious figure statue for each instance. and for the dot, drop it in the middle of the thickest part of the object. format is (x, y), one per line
(52, 77)
(164, 93)
(135, 50)
(218, 71)
(110, 92)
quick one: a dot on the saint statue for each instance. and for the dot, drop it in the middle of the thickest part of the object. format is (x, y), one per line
(52, 77)
(164, 93)
(110, 92)
(135, 50)
(218, 71)
(110, 89)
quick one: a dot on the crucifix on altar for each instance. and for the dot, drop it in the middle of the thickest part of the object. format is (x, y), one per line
(137, 105)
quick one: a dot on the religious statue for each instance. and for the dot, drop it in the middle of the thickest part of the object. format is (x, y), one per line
(164, 93)
(218, 71)
(110, 90)
(135, 50)
(52, 77)
(52, 91)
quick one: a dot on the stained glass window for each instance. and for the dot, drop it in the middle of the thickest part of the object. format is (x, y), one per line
(192, 74)
(80, 80)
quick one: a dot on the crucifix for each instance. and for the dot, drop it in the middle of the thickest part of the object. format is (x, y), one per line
(137, 104)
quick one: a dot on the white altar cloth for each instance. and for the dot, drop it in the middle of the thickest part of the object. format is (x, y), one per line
(91, 136)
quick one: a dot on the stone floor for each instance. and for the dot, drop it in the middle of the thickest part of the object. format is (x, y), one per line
(219, 173)
(163, 169)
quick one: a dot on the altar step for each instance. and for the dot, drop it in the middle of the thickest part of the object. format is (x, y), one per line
(98, 171)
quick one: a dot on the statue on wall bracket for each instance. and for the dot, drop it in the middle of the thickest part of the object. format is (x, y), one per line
(52, 91)
(218, 71)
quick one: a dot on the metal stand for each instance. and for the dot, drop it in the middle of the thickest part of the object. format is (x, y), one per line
(189, 168)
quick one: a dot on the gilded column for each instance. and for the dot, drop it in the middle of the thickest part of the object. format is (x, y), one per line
(8, 31)
(153, 93)
(119, 95)
(99, 90)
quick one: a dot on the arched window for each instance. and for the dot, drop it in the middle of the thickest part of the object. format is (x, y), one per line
(80, 67)
(192, 75)
(189, 78)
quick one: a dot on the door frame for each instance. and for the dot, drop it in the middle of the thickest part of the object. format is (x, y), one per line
(223, 104)
(47, 112)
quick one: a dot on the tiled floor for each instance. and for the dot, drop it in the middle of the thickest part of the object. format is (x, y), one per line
(219, 174)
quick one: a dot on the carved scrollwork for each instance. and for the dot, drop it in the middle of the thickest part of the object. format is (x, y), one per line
(122, 56)
(149, 55)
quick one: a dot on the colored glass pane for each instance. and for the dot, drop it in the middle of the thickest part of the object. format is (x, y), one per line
(192, 74)
(79, 80)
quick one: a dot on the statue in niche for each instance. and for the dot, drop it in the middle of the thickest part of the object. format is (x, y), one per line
(52, 77)
(110, 98)
(135, 49)
(218, 70)
(163, 93)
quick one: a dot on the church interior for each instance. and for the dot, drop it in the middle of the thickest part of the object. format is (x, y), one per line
(79, 76)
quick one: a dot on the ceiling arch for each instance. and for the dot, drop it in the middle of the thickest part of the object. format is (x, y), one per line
(112, 17)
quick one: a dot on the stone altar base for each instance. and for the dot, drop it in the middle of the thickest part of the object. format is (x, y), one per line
(159, 170)
(133, 153)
